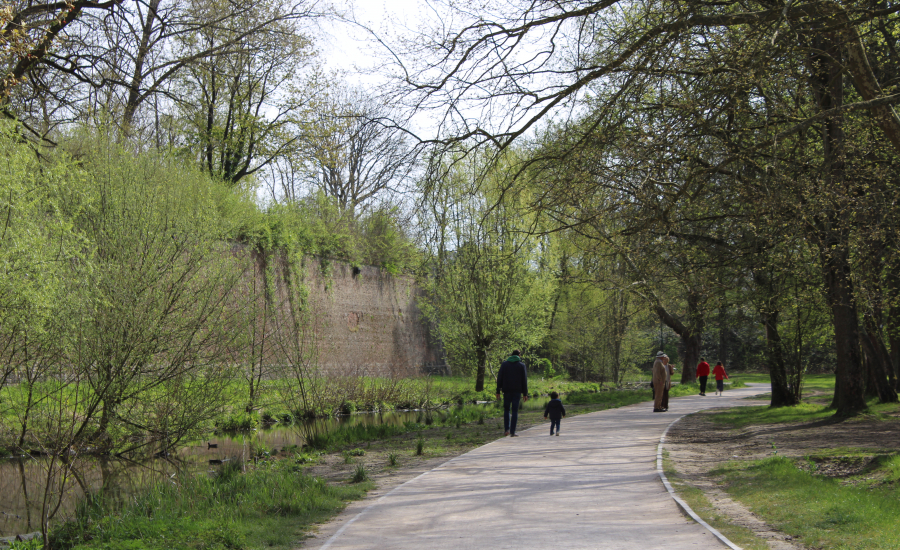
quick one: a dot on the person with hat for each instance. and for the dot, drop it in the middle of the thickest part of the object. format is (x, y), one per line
(660, 380)
(512, 381)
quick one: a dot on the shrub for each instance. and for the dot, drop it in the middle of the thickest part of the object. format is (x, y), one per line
(360, 474)
(420, 446)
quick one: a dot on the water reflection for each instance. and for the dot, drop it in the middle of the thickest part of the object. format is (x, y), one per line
(23, 480)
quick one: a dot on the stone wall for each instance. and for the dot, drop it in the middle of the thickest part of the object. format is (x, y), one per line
(368, 323)
(363, 321)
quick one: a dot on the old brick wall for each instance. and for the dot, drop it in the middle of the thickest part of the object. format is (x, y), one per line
(360, 320)
(368, 323)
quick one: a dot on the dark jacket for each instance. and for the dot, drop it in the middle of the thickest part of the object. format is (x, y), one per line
(555, 409)
(513, 376)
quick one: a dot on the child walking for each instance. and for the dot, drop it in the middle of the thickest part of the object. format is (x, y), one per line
(555, 411)
(721, 375)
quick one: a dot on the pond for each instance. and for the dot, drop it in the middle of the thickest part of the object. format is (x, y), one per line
(23, 479)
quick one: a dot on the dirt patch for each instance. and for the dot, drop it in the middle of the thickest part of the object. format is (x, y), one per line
(696, 446)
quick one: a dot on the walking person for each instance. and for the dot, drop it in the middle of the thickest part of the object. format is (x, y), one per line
(670, 371)
(555, 411)
(659, 380)
(703, 375)
(721, 375)
(512, 381)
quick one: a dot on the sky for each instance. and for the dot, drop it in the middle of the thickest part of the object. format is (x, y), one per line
(349, 48)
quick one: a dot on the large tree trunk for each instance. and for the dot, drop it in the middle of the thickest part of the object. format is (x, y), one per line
(849, 388)
(783, 395)
(879, 383)
(831, 230)
(893, 327)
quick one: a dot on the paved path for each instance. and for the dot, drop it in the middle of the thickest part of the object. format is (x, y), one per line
(595, 486)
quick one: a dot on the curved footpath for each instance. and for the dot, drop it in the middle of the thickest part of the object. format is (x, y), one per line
(595, 486)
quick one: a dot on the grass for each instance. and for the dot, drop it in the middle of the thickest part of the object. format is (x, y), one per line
(811, 382)
(824, 512)
(269, 506)
(699, 503)
(740, 417)
(360, 474)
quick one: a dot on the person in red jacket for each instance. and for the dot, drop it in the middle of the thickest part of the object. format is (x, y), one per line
(703, 375)
(721, 375)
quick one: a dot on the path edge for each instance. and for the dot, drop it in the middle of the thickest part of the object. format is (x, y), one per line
(678, 500)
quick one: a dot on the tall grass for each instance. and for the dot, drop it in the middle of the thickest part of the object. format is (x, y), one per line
(266, 507)
(345, 436)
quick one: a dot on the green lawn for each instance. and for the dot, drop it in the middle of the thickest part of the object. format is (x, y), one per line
(823, 512)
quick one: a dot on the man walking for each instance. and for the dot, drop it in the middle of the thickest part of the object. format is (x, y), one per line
(512, 381)
(703, 375)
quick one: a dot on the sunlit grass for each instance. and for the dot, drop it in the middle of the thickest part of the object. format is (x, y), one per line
(811, 382)
(700, 504)
(269, 506)
(739, 417)
(822, 511)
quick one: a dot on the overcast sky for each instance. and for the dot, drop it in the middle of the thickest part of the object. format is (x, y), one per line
(349, 48)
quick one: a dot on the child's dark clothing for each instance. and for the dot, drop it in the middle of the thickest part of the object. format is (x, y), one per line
(555, 411)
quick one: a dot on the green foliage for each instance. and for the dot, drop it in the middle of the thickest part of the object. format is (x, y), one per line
(33, 544)
(420, 446)
(268, 506)
(485, 290)
(345, 436)
(240, 421)
(317, 226)
(359, 474)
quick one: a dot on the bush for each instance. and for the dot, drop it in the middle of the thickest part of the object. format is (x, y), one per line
(239, 422)
(420, 446)
(360, 474)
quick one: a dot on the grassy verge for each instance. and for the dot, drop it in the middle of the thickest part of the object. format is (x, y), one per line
(811, 382)
(824, 512)
(269, 506)
(740, 417)
(700, 504)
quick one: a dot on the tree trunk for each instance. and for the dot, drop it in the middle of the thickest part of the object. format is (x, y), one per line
(782, 393)
(878, 371)
(482, 367)
(849, 388)
(137, 78)
(831, 230)
(690, 343)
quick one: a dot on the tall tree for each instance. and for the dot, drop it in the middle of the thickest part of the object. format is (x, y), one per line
(483, 291)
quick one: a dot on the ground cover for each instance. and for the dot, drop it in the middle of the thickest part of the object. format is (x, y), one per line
(268, 504)
(795, 477)
(381, 459)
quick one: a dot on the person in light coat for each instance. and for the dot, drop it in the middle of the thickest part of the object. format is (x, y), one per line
(660, 380)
